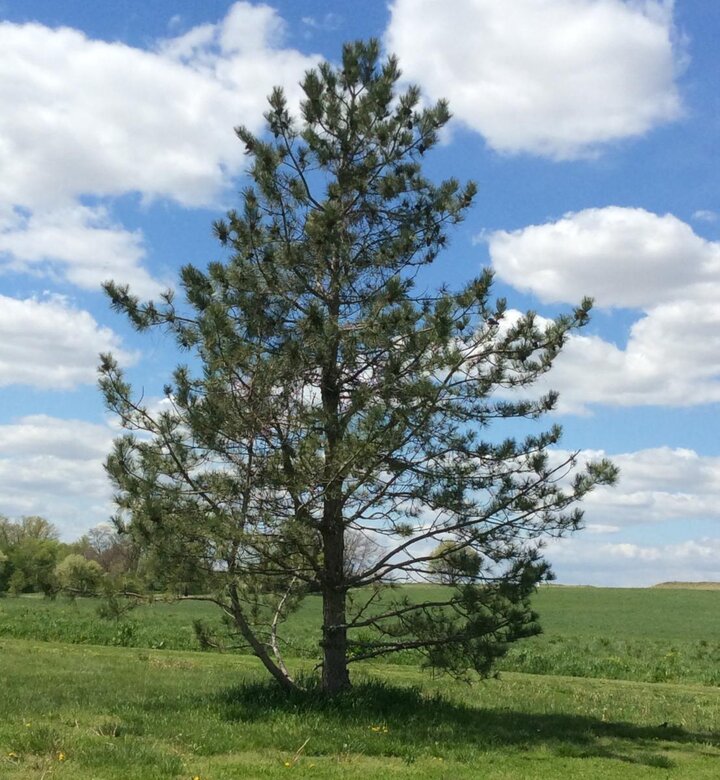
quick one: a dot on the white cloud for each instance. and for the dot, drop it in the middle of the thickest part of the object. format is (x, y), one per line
(327, 23)
(107, 119)
(705, 215)
(104, 118)
(655, 485)
(99, 119)
(660, 491)
(625, 257)
(582, 561)
(598, 529)
(672, 358)
(620, 256)
(552, 78)
(54, 468)
(79, 243)
(48, 344)
(40, 434)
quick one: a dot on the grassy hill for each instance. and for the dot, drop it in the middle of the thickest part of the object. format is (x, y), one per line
(689, 585)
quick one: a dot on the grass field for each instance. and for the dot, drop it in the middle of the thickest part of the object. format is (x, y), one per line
(153, 707)
(97, 712)
(646, 635)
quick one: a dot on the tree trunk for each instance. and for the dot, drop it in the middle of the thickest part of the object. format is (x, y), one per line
(335, 677)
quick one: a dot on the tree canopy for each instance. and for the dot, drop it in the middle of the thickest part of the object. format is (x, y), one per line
(329, 397)
(29, 551)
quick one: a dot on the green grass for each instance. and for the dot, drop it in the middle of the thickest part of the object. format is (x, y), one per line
(76, 622)
(646, 635)
(112, 713)
(633, 613)
(79, 710)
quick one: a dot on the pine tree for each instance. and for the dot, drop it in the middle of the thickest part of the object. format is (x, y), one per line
(328, 398)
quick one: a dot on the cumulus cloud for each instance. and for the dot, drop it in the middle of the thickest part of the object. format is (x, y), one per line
(78, 243)
(54, 467)
(104, 118)
(42, 434)
(107, 119)
(657, 485)
(598, 529)
(554, 78)
(625, 257)
(48, 344)
(582, 561)
(658, 489)
(99, 119)
(672, 358)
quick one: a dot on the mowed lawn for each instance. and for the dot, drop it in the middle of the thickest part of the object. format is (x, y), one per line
(90, 713)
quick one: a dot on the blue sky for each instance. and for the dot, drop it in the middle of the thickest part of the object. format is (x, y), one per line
(590, 126)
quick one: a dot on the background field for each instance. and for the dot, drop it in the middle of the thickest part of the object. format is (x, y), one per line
(73, 709)
(646, 635)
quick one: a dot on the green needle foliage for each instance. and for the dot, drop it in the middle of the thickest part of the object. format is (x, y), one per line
(336, 402)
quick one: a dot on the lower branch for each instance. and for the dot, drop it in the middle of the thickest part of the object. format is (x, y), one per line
(258, 648)
(273, 632)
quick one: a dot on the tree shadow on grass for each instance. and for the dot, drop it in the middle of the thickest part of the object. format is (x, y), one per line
(431, 724)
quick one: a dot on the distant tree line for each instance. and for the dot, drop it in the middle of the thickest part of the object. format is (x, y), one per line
(103, 562)
(34, 560)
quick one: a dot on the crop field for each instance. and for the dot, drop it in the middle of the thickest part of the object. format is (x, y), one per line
(623, 684)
